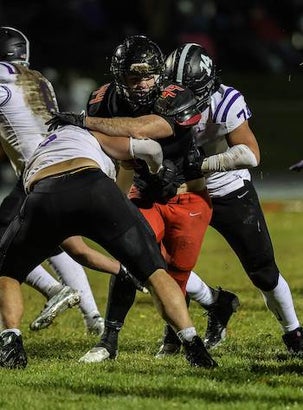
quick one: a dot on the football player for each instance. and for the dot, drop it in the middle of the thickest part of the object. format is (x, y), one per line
(71, 190)
(26, 98)
(178, 210)
(229, 148)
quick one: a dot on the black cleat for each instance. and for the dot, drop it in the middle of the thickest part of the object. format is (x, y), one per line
(171, 344)
(12, 353)
(168, 349)
(197, 355)
(219, 313)
(294, 341)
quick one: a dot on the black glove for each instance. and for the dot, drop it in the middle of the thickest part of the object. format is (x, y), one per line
(168, 173)
(168, 180)
(65, 118)
(297, 167)
(159, 187)
(127, 276)
(194, 160)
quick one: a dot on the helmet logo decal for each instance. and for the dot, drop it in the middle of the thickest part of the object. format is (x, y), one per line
(170, 91)
(206, 64)
(140, 68)
(98, 94)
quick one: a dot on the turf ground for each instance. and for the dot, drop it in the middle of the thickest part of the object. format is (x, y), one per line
(254, 370)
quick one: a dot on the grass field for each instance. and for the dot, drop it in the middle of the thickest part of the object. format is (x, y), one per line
(254, 370)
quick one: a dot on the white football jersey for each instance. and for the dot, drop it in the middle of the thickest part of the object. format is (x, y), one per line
(68, 142)
(26, 98)
(226, 112)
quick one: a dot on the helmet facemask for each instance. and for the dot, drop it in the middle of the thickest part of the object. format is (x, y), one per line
(138, 59)
(203, 92)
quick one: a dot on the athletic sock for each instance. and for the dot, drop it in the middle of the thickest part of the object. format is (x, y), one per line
(15, 330)
(43, 282)
(187, 334)
(199, 291)
(279, 301)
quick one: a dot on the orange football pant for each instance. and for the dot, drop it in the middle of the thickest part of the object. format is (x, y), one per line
(180, 226)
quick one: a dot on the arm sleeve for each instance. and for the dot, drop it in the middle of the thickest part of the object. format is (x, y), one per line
(148, 150)
(236, 157)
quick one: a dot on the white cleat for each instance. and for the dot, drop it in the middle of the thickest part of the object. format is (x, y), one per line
(64, 299)
(95, 355)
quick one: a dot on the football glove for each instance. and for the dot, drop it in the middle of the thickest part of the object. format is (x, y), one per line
(65, 118)
(127, 276)
(168, 180)
(159, 187)
(297, 167)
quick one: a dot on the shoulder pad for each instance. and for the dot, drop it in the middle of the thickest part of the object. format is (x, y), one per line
(6, 70)
(178, 102)
(95, 100)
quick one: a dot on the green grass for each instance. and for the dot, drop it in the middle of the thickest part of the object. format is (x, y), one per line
(254, 371)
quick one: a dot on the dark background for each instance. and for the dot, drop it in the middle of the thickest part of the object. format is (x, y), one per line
(257, 45)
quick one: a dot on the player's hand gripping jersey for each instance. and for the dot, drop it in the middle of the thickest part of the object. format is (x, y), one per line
(26, 98)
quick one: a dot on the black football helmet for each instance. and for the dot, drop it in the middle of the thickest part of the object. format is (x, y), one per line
(191, 66)
(14, 46)
(141, 57)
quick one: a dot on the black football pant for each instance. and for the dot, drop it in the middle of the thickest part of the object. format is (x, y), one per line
(238, 217)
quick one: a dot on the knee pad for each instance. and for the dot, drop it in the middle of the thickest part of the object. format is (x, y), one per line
(266, 277)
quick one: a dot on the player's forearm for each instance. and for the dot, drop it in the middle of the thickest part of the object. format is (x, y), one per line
(147, 126)
(95, 260)
(237, 157)
(89, 257)
(115, 147)
(116, 127)
(122, 148)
